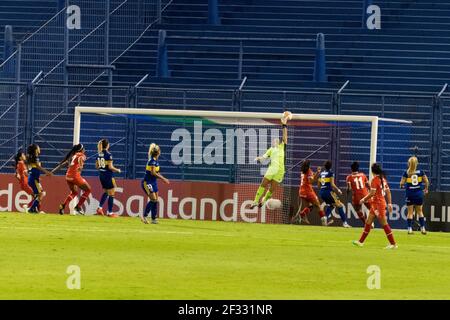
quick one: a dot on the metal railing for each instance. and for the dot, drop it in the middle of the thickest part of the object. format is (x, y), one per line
(40, 117)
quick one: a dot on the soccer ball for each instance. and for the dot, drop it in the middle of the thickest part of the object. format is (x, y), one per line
(273, 204)
(287, 115)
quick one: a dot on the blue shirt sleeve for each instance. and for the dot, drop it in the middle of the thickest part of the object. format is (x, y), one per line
(405, 174)
(107, 156)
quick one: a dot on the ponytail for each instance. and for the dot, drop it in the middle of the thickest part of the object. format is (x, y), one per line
(376, 169)
(76, 148)
(412, 165)
(102, 145)
(153, 150)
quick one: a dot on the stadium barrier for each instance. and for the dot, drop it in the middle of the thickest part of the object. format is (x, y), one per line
(206, 201)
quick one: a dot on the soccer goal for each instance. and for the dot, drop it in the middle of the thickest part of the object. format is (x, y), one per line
(220, 147)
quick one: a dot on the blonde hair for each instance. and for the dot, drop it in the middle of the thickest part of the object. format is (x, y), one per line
(413, 162)
(152, 150)
(99, 146)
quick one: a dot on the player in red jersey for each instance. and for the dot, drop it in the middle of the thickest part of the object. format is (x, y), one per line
(308, 197)
(378, 190)
(75, 159)
(22, 176)
(357, 184)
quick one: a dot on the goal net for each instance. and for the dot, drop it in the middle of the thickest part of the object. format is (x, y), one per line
(212, 154)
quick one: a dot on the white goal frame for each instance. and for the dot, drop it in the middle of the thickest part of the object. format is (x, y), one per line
(373, 120)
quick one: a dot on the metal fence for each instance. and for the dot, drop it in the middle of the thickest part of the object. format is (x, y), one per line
(42, 117)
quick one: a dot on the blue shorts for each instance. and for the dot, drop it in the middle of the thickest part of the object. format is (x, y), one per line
(328, 196)
(107, 180)
(414, 199)
(149, 187)
(34, 184)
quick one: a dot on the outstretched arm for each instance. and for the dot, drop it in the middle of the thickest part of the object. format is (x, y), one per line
(285, 134)
(59, 166)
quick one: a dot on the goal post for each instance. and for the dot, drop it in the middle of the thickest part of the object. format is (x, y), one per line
(217, 150)
(372, 120)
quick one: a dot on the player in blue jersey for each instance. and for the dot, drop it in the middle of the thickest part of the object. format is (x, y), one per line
(416, 184)
(35, 170)
(104, 165)
(150, 183)
(328, 190)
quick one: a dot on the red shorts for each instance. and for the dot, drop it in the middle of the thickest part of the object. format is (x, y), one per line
(378, 209)
(76, 180)
(310, 197)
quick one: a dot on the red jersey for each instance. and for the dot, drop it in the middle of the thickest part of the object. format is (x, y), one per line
(358, 183)
(76, 165)
(22, 171)
(305, 183)
(378, 199)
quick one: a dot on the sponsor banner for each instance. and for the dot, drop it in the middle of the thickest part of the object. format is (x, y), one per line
(210, 201)
(179, 200)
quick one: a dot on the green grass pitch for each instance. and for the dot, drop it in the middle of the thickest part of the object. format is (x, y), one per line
(125, 259)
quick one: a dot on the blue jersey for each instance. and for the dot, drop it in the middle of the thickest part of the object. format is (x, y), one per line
(325, 180)
(149, 177)
(34, 172)
(102, 159)
(414, 182)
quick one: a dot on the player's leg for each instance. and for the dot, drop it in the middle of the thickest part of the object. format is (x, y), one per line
(259, 193)
(25, 187)
(154, 207)
(72, 195)
(367, 228)
(111, 193)
(359, 212)
(387, 229)
(419, 211)
(102, 202)
(147, 187)
(38, 195)
(410, 217)
(323, 218)
(303, 210)
(340, 209)
(273, 185)
(83, 185)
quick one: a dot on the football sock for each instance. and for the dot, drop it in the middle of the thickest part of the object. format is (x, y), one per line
(342, 214)
(305, 212)
(422, 222)
(84, 197)
(259, 194)
(409, 223)
(268, 195)
(110, 203)
(147, 208)
(367, 228)
(328, 211)
(389, 235)
(103, 200)
(154, 209)
(69, 198)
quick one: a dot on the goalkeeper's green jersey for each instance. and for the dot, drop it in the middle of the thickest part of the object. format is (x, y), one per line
(276, 155)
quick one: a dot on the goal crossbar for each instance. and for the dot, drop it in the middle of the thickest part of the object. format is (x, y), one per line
(373, 120)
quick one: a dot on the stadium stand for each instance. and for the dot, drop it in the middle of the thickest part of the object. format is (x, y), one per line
(403, 65)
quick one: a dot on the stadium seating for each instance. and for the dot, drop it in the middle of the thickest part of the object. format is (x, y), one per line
(24, 16)
(407, 54)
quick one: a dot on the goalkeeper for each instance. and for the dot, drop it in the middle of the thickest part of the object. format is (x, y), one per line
(275, 173)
